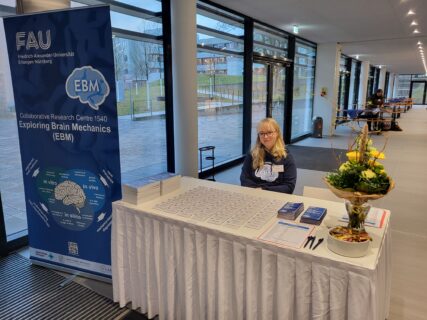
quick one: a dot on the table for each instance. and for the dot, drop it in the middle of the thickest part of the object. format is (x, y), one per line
(179, 268)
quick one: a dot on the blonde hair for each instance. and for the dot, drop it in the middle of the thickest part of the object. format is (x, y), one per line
(277, 151)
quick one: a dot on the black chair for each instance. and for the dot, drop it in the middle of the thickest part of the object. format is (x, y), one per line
(209, 157)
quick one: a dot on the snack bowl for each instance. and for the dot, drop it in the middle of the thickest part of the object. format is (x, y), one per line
(347, 248)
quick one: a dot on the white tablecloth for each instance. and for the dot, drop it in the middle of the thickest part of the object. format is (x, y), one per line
(181, 269)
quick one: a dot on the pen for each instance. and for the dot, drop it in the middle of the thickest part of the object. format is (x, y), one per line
(309, 238)
(318, 242)
(314, 239)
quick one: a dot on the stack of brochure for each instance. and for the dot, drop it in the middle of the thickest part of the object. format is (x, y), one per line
(290, 210)
(141, 190)
(313, 215)
(169, 182)
(149, 188)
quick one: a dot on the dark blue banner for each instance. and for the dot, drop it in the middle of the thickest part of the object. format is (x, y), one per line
(62, 67)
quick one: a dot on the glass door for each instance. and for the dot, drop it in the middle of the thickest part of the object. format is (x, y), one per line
(268, 93)
(260, 72)
(278, 94)
(418, 91)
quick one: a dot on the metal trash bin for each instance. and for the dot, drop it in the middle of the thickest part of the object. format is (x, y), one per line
(317, 127)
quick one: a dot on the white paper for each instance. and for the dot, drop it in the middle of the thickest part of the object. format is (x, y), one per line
(287, 234)
(374, 218)
(221, 207)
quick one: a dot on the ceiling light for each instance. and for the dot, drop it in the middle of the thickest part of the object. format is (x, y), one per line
(411, 13)
(295, 29)
(357, 57)
(414, 23)
(415, 31)
(380, 66)
(419, 43)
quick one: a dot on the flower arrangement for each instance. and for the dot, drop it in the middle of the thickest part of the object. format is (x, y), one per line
(362, 172)
(359, 179)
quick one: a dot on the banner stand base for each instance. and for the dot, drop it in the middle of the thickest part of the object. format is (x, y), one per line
(71, 271)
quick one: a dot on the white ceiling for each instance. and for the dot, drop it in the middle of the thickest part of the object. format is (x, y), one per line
(377, 30)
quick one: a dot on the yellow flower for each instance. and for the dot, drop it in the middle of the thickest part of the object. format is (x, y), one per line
(368, 174)
(344, 166)
(353, 155)
(374, 163)
(377, 154)
(383, 172)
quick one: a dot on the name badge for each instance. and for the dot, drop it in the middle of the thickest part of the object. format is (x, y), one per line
(277, 168)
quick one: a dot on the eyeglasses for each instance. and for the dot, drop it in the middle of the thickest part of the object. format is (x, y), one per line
(266, 134)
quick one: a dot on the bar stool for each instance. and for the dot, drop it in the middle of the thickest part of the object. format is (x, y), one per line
(209, 157)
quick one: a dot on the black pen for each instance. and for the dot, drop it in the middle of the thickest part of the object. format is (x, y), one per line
(314, 239)
(318, 242)
(309, 238)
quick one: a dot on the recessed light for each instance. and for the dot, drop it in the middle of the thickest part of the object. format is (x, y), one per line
(411, 13)
(414, 23)
(416, 31)
(419, 43)
(357, 57)
(295, 29)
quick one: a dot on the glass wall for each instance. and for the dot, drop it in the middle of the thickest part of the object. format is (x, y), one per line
(270, 43)
(220, 81)
(11, 180)
(342, 86)
(139, 69)
(259, 96)
(402, 85)
(270, 50)
(354, 84)
(303, 92)
(278, 94)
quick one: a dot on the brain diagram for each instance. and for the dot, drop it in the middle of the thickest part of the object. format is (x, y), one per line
(70, 193)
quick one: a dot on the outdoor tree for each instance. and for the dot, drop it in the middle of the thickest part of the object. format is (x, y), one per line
(120, 57)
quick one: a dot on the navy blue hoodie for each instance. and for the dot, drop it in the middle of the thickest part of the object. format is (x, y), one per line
(276, 175)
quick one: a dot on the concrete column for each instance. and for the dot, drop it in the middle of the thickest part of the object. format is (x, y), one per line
(184, 66)
(327, 80)
(381, 84)
(363, 87)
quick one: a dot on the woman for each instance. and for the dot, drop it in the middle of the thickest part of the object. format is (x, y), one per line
(268, 166)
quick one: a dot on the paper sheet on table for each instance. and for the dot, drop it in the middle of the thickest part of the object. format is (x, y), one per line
(375, 217)
(287, 234)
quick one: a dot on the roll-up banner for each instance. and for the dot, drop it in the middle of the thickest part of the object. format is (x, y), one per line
(62, 67)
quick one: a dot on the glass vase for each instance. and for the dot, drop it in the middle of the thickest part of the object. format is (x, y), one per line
(357, 210)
